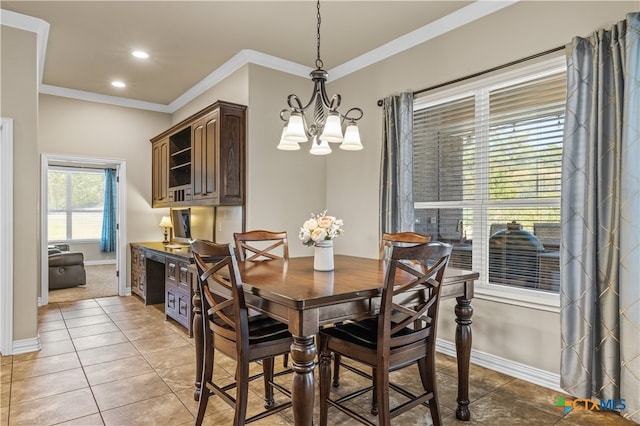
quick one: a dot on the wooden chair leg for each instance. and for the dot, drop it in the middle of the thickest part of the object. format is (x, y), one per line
(207, 374)
(430, 385)
(374, 395)
(381, 391)
(336, 370)
(325, 377)
(267, 370)
(242, 392)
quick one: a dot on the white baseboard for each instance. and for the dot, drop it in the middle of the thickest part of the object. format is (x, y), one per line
(100, 262)
(502, 365)
(25, 345)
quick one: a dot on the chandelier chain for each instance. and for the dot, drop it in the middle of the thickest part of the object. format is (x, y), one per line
(319, 63)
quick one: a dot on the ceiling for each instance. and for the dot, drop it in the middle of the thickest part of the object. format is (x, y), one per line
(193, 44)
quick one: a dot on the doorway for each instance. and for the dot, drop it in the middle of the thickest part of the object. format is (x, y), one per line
(94, 268)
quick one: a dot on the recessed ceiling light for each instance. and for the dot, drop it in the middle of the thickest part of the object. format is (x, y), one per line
(118, 83)
(140, 54)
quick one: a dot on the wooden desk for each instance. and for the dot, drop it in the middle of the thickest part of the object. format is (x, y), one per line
(292, 292)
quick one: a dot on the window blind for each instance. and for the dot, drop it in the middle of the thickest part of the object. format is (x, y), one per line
(487, 170)
(76, 202)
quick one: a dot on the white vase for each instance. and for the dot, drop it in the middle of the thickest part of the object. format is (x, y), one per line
(323, 256)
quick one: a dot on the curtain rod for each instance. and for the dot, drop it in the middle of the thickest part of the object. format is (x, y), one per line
(499, 67)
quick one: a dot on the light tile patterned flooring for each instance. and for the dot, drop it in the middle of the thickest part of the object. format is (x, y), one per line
(113, 361)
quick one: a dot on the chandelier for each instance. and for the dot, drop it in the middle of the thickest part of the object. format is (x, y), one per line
(327, 120)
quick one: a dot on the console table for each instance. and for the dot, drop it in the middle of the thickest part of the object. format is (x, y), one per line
(164, 274)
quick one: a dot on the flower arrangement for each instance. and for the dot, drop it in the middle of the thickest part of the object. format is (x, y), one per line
(320, 228)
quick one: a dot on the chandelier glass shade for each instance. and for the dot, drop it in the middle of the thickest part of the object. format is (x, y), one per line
(319, 120)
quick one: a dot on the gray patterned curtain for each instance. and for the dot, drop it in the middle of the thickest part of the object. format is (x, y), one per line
(600, 251)
(396, 176)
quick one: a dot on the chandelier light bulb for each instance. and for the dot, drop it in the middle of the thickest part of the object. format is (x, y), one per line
(332, 129)
(351, 138)
(320, 147)
(286, 145)
(295, 129)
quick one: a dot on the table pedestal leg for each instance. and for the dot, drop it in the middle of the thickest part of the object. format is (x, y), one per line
(463, 311)
(198, 340)
(303, 353)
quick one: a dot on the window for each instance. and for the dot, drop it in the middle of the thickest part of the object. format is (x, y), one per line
(487, 170)
(76, 201)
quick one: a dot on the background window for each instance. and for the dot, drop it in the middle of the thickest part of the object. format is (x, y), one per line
(487, 170)
(76, 201)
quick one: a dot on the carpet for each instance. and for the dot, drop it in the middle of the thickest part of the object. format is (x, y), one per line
(101, 282)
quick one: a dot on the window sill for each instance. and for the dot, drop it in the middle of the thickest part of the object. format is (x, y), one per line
(533, 299)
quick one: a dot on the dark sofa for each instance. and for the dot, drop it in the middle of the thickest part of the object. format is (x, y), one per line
(66, 268)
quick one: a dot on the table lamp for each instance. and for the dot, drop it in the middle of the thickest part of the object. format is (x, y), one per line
(166, 224)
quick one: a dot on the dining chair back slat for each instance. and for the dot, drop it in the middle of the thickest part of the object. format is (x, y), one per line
(251, 245)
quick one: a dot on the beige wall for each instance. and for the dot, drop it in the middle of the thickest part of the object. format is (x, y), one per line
(19, 101)
(528, 336)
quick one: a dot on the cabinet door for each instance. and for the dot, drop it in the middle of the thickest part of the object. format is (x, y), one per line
(205, 134)
(171, 302)
(160, 173)
(231, 149)
(172, 272)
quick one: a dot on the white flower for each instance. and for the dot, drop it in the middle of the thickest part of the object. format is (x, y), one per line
(304, 235)
(318, 234)
(320, 228)
(310, 224)
(326, 221)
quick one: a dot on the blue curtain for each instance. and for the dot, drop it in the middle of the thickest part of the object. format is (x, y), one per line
(600, 214)
(108, 240)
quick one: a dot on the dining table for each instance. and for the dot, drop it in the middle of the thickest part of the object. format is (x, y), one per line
(291, 291)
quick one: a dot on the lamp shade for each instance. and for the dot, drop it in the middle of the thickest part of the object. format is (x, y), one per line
(351, 138)
(320, 148)
(165, 222)
(332, 131)
(286, 145)
(295, 129)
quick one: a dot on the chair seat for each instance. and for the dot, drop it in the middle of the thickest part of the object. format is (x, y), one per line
(363, 333)
(262, 329)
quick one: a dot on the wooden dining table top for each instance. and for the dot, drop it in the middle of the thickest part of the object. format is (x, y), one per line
(295, 284)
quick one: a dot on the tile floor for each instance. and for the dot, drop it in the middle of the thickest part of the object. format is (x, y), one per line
(113, 361)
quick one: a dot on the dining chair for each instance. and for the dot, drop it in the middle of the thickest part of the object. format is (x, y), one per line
(386, 243)
(389, 239)
(229, 329)
(248, 245)
(403, 333)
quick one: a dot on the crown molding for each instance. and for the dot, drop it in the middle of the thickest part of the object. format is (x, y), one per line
(470, 13)
(239, 60)
(450, 22)
(104, 99)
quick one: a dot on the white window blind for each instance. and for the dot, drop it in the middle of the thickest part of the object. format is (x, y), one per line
(76, 202)
(487, 169)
